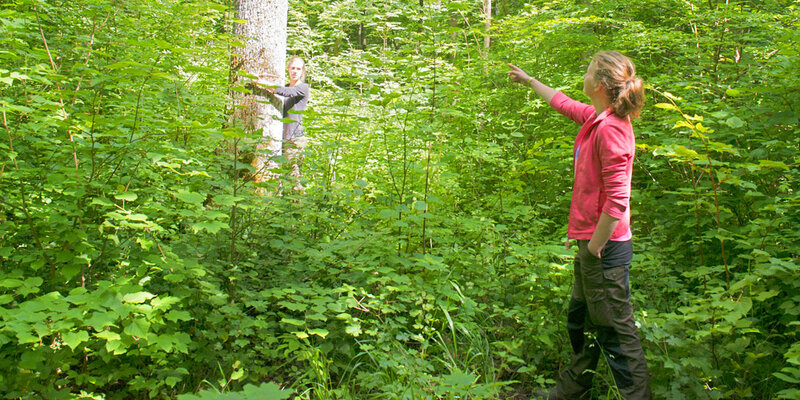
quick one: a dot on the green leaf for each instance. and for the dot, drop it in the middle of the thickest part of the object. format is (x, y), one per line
(319, 332)
(766, 295)
(237, 374)
(101, 201)
(666, 106)
(734, 122)
(211, 227)
(178, 315)
(11, 283)
(115, 347)
(459, 379)
(100, 320)
(353, 330)
(189, 197)
(300, 334)
(785, 377)
(107, 335)
(163, 342)
(127, 196)
(138, 297)
(17, 75)
(773, 164)
(293, 306)
(266, 391)
(292, 321)
(73, 339)
(137, 217)
(138, 327)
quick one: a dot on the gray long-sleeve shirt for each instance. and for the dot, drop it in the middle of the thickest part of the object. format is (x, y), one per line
(295, 99)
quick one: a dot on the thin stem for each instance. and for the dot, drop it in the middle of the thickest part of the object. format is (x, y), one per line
(60, 100)
(10, 141)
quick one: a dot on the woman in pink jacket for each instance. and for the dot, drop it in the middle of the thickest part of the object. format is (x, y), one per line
(599, 220)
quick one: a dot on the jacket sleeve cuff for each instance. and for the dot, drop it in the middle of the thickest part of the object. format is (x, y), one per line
(615, 211)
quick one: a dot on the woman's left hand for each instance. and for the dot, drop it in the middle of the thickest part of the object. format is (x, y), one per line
(518, 75)
(594, 250)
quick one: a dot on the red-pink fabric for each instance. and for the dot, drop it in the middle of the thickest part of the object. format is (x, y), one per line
(603, 161)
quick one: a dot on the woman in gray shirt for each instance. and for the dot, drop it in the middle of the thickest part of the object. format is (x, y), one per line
(295, 98)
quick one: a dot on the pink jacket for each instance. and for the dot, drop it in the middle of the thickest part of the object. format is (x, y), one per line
(604, 151)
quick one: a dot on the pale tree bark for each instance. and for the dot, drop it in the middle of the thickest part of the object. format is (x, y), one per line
(264, 55)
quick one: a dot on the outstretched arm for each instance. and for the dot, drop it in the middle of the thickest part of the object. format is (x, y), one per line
(292, 91)
(519, 76)
(260, 88)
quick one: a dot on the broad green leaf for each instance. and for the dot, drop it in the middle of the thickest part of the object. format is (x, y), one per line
(99, 320)
(292, 321)
(137, 217)
(773, 164)
(178, 315)
(319, 332)
(734, 122)
(138, 297)
(115, 347)
(171, 381)
(353, 330)
(11, 283)
(210, 226)
(107, 335)
(73, 339)
(189, 197)
(102, 201)
(237, 374)
(300, 334)
(786, 378)
(127, 196)
(138, 327)
(459, 379)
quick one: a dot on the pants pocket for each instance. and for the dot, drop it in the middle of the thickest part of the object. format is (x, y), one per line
(607, 296)
(617, 292)
(593, 287)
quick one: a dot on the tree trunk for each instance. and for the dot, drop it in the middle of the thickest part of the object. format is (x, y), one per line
(264, 55)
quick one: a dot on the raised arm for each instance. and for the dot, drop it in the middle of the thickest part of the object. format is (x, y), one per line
(519, 76)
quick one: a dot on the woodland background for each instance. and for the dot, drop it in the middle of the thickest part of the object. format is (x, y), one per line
(426, 259)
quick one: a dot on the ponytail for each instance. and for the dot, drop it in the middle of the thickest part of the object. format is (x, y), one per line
(617, 74)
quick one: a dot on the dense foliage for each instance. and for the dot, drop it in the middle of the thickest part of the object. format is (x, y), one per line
(426, 258)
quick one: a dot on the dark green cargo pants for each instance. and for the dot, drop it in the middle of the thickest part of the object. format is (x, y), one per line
(601, 303)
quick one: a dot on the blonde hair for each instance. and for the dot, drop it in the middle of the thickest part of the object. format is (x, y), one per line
(617, 74)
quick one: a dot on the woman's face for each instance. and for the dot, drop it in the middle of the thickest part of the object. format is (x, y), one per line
(296, 70)
(590, 86)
